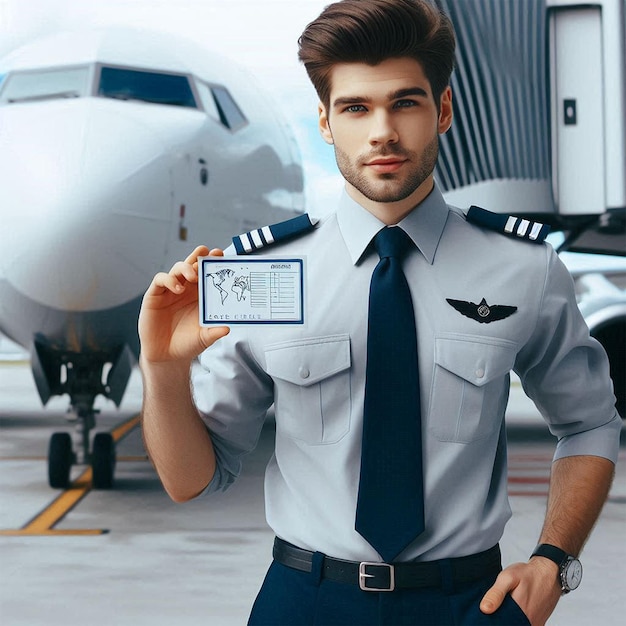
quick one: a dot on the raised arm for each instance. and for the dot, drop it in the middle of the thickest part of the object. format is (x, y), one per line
(177, 440)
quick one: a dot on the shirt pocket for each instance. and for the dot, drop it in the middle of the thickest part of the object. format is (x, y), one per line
(470, 386)
(311, 388)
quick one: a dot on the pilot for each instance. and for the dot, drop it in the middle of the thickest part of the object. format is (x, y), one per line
(387, 491)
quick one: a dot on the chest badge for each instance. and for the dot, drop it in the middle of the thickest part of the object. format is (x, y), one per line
(483, 312)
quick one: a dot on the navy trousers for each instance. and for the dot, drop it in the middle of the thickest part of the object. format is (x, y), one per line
(289, 597)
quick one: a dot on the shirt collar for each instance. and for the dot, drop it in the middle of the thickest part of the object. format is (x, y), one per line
(424, 224)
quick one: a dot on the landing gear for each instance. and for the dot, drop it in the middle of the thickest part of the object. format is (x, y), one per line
(61, 457)
(83, 376)
(101, 454)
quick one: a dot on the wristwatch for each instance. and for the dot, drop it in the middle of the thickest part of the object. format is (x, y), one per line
(570, 568)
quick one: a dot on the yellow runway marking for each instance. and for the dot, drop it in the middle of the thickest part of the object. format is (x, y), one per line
(119, 432)
(44, 522)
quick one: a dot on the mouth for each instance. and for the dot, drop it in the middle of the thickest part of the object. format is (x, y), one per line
(386, 165)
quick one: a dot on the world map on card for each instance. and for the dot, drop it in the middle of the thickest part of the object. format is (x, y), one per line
(227, 282)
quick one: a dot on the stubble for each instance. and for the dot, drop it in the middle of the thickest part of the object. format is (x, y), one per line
(394, 187)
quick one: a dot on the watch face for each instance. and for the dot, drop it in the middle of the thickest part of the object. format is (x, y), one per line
(572, 574)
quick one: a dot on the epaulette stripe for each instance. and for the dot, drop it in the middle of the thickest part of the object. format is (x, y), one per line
(256, 238)
(522, 228)
(535, 230)
(510, 224)
(267, 233)
(245, 242)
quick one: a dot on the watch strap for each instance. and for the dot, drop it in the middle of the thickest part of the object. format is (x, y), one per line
(551, 552)
(570, 569)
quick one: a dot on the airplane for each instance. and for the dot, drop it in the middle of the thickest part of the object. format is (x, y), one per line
(120, 150)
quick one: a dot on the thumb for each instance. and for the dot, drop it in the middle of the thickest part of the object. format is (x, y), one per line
(208, 336)
(493, 599)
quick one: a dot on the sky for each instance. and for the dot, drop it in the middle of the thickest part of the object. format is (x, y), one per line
(261, 35)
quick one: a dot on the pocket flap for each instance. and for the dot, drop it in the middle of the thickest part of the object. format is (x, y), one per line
(308, 361)
(477, 360)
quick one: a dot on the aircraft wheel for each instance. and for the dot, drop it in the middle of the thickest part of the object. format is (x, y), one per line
(103, 460)
(60, 459)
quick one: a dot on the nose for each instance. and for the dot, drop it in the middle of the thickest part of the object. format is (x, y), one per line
(85, 202)
(382, 130)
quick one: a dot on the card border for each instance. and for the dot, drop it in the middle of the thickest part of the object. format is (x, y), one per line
(239, 259)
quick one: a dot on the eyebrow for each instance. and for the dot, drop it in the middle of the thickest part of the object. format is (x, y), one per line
(392, 95)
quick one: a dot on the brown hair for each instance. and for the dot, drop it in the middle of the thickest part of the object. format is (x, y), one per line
(371, 31)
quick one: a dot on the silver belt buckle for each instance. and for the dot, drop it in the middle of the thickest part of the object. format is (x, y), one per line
(363, 576)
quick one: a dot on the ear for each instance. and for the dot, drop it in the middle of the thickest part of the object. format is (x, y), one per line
(324, 125)
(445, 111)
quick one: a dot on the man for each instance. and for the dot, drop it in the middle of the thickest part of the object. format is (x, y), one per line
(382, 69)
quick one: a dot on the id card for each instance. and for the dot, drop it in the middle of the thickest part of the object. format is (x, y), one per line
(240, 290)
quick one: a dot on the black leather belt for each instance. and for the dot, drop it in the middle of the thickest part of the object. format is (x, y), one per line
(372, 576)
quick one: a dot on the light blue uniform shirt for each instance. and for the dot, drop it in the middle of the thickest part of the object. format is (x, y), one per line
(315, 377)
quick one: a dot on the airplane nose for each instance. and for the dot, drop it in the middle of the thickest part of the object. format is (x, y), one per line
(85, 200)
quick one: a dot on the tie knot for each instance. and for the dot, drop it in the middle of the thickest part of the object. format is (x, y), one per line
(392, 241)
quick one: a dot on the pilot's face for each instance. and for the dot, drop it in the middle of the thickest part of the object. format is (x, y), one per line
(384, 124)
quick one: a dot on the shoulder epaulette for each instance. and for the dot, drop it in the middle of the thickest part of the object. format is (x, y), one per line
(262, 237)
(516, 227)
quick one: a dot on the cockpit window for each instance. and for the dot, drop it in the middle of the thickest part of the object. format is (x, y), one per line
(122, 84)
(126, 84)
(219, 104)
(230, 114)
(30, 86)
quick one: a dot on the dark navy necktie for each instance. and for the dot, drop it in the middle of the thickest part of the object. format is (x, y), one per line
(390, 506)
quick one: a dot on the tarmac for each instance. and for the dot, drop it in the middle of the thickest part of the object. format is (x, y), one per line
(131, 557)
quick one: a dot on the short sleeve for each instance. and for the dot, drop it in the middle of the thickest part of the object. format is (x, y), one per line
(232, 394)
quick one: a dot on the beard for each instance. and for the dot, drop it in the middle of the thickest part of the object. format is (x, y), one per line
(389, 187)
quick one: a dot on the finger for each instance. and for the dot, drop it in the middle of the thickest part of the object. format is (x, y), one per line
(202, 251)
(163, 282)
(174, 280)
(493, 599)
(199, 251)
(184, 272)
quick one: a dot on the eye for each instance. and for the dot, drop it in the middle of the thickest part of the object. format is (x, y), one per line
(405, 104)
(355, 108)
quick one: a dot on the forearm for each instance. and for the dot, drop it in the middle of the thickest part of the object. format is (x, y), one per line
(175, 436)
(579, 486)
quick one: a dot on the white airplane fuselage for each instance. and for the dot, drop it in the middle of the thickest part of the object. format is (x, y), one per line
(100, 189)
